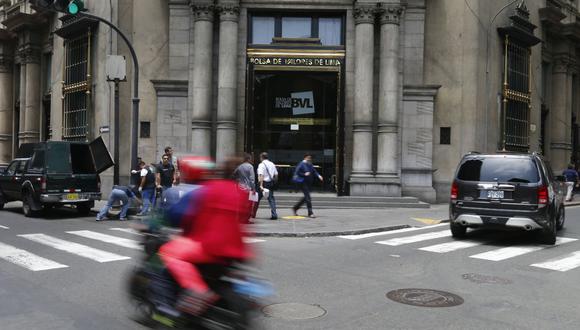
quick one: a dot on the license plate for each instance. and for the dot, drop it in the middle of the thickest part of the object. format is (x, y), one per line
(495, 194)
(72, 196)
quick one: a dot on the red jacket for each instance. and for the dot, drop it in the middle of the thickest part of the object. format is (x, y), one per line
(216, 220)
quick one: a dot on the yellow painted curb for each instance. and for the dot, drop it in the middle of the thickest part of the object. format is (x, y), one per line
(293, 217)
(428, 221)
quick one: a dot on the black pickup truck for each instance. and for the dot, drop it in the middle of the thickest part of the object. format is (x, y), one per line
(54, 173)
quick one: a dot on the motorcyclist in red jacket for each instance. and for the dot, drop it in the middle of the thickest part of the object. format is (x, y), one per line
(211, 218)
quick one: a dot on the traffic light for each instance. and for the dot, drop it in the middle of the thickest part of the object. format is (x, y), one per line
(71, 7)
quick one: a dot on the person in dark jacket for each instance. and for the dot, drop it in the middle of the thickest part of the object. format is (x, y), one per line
(119, 193)
(571, 180)
(304, 176)
(147, 188)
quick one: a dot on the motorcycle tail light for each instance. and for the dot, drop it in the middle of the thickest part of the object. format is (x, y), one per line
(454, 191)
(542, 196)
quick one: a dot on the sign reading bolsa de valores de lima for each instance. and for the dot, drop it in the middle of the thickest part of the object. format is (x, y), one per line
(295, 61)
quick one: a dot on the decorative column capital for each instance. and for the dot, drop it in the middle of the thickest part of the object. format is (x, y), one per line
(29, 54)
(391, 15)
(203, 11)
(561, 64)
(364, 14)
(6, 64)
(229, 11)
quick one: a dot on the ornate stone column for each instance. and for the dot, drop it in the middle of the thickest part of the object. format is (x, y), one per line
(388, 162)
(32, 117)
(560, 114)
(203, 15)
(6, 104)
(364, 16)
(227, 79)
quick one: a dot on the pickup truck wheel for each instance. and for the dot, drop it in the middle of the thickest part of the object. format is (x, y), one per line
(561, 219)
(457, 231)
(84, 208)
(27, 203)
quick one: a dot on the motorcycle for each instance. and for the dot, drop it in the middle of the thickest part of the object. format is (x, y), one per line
(154, 292)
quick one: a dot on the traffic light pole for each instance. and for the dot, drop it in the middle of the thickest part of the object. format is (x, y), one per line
(135, 99)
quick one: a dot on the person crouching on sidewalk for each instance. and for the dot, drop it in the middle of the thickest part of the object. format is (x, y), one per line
(119, 193)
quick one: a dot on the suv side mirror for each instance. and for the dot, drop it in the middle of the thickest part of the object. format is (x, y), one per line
(561, 178)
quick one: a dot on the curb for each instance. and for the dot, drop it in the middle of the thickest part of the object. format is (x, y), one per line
(332, 233)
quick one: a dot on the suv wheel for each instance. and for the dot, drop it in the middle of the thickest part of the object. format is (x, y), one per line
(561, 219)
(27, 204)
(457, 231)
(548, 235)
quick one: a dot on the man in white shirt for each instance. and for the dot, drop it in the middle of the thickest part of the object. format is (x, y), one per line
(267, 177)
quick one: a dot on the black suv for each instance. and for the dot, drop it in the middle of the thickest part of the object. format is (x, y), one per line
(507, 191)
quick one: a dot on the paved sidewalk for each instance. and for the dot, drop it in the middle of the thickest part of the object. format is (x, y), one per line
(329, 222)
(332, 222)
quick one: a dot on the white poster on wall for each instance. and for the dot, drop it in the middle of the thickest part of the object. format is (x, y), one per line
(302, 103)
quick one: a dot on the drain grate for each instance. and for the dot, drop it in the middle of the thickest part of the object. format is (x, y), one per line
(485, 279)
(425, 298)
(293, 311)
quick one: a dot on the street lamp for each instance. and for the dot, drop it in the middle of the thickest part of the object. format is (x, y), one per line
(77, 8)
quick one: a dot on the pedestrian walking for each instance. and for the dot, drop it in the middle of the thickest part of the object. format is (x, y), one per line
(304, 176)
(571, 180)
(146, 188)
(246, 178)
(119, 193)
(267, 177)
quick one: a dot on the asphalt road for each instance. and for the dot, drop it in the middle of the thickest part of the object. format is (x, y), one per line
(345, 279)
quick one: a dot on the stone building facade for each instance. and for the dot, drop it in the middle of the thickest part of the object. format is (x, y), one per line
(509, 76)
(387, 95)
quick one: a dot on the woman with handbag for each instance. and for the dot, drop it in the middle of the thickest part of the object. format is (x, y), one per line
(304, 177)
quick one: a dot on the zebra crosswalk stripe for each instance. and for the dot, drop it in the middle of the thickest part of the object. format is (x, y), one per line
(450, 246)
(26, 259)
(389, 232)
(416, 238)
(570, 261)
(249, 240)
(127, 230)
(515, 251)
(124, 242)
(74, 248)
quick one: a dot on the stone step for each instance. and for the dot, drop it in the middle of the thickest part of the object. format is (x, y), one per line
(419, 205)
(348, 202)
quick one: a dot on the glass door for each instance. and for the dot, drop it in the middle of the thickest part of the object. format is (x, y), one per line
(294, 113)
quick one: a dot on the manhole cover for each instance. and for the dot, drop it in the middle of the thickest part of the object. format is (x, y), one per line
(293, 311)
(425, 298)
(480, 279)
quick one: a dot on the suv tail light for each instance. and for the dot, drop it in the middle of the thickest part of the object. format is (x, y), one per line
(542, 196)
(454, 191)
(43, 184)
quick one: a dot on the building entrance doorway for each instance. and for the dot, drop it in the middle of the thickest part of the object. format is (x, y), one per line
(292, 113)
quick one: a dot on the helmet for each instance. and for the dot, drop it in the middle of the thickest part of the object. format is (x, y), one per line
(195, 168)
